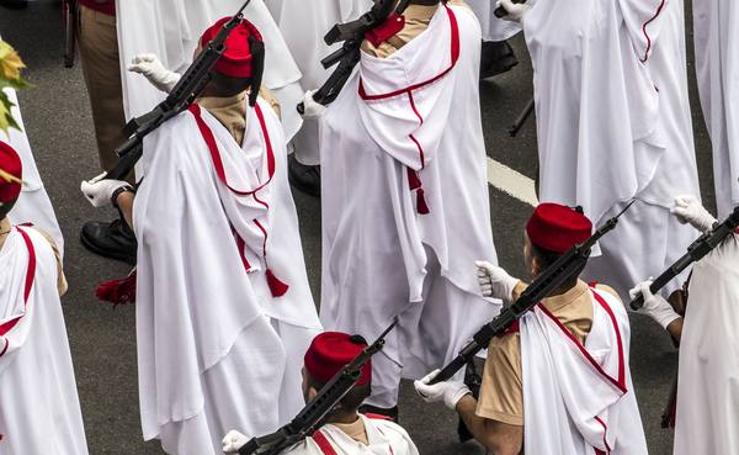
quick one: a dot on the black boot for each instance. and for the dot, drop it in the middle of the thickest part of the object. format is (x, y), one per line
(303, 177)
(14, 4)
(497, 58)
(113, 240)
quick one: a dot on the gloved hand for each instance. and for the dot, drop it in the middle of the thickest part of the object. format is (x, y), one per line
(516, 11)
(151, 67)
(655, 306)
(233, 441)
(450, 392)
(99, 191)
(312, 109)
(495, 282)
(689, 210)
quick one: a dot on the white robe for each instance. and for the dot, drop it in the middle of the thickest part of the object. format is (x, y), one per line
(39, 407)
(304, 24)
(382, 257)
(384, 437)
(33, 205)
(612, 128)
(708, 390)
(493, 28)
(216, 351)
(579, 400)
(171, 30)
(716, 28)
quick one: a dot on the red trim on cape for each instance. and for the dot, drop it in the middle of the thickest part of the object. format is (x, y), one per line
(619, 383)
(644, 30)
(323, 443)
(455, 56)
(215, 154)
(605, 439)
(28, 285)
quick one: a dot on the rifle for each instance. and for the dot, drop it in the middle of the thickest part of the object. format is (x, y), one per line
(568, 266)
(521, 119)
(189, 87)
(348, 55)
(697, 251)
(71, 21)
(501, 12)
(312, 416)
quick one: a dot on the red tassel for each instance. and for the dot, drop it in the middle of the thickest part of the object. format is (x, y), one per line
(421, 205)
(414, 181)
(118, 292)
(278, 288)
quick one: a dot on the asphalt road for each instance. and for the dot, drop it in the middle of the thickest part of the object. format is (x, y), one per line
(57, 116)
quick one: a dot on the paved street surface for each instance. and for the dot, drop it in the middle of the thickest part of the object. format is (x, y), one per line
(57, 116)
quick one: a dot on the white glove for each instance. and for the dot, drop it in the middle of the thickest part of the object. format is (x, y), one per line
(495, 282)
(311, 108)
(151, 67)
(450, 392)
(689, 210)
(516, 11)
(233, 442)
(655, 306)
(99, 191)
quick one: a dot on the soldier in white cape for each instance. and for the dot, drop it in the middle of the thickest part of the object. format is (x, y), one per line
(558, 381)
(405, 204)
(707, 412)
(224, 311)
(716, 27)
(613, 123)
(39, 407)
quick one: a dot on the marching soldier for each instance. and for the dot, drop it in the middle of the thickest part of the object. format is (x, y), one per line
(558, 383)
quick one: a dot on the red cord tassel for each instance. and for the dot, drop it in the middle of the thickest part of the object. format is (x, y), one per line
(414, 181)
(118, 292)
(278, 288)
(421, 205)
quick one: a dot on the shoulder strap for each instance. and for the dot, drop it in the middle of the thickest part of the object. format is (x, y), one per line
(323, 443)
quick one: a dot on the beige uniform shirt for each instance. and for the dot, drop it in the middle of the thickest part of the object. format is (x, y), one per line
(501, 393)
(231, 111)
(354, 430)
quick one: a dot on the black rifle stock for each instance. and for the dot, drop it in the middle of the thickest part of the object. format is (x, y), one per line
(696, 251)
(188, 88)
(311, 417)
(347, 56)
(564, 269)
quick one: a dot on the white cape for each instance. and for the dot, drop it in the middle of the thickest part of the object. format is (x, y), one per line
(708, 388)
(304, 24)
(384, 437)
(493, 28)
(579, 400)
(33, 205)
(40, 409)
(208, 243)
(389, 151)
(716, 26)
(171, 30)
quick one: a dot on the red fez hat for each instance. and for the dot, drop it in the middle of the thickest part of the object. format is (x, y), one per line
(330, 352)
(11, 172)
(558, 228)
(238, 59)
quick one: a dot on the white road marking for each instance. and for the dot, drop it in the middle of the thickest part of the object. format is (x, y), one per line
(512, 182)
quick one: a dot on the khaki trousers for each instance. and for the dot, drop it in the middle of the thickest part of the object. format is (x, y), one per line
(98, 43)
